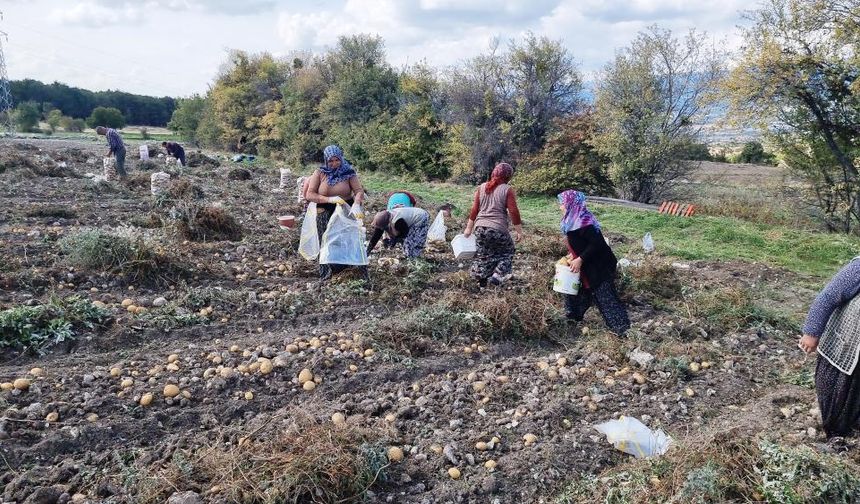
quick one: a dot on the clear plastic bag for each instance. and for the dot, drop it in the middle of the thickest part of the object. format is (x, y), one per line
(309, 243)
(632, 436)
(356, 211)
(648, 243)
(437, 229)
(343, 240)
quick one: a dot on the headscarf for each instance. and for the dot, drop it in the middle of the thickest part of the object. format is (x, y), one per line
(401, 198)
(502, 174)
(576, 215)
(335, 176)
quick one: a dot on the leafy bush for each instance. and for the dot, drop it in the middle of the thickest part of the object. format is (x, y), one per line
(36, 328)
(26, 116)
(106, 116)
(567, 160)
(754, 153)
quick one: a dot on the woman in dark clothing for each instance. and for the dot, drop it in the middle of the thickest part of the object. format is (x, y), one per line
(402, 224)
(591, 257)
(833, 328)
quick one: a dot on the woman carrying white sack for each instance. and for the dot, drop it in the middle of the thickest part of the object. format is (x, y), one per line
(407, 225)
(335, 183)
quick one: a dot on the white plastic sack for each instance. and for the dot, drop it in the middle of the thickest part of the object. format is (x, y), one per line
(144, 152)
(632, 436)
(356, 211)
(158, 183)
(109, 172)
(648, 243)
(300, 185)
(286, 173)
(309, 243)
(437, 229)
(343, 240)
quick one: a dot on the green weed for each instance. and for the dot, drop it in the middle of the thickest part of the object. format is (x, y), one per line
(36, 328)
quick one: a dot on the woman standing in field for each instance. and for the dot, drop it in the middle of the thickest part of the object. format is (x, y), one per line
(833, 328)
(493, 210)
(334, 183)
(593, 259)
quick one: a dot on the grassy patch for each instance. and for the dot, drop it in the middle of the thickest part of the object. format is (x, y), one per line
(310, 462)
(97, 250)
(35, 328)
(702, 237)
(729, 309)
(725, 468)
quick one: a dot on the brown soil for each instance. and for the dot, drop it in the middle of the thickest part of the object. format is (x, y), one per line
(414, 391)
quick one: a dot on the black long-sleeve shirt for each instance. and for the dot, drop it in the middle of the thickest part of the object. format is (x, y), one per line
(598, 260)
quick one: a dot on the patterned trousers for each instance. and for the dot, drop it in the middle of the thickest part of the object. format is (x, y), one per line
(495, 255)
(606, 298)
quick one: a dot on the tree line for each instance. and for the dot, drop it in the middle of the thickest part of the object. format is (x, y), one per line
(77, 103)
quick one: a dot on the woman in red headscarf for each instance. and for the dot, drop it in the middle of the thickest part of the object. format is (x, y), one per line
(493, 210)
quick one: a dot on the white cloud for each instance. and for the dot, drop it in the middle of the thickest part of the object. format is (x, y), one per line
(95, 15)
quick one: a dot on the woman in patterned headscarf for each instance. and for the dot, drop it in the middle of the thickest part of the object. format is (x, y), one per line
(494, 205)
(334, 183)
(834, 320)
(591, 257)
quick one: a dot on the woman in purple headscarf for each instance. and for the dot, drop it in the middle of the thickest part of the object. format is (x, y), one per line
(334, 183)
(591, 257)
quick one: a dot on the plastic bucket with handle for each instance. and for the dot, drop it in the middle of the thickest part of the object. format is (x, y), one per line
(464, 248)
(566, 281)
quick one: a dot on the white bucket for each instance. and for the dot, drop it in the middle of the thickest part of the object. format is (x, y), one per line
(565, 281)
(464, 248)
(144, 152)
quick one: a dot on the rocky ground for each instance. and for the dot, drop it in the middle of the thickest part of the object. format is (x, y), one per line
(223, 372)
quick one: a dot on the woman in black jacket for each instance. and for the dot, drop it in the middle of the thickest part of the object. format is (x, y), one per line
(591, 257)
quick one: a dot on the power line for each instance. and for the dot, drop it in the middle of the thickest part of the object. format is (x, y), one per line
(5, 93)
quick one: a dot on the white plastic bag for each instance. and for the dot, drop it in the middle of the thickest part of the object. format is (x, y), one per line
(109, 171)
(309, 243)
(143, 150)
(632, 436)
(648, 243)
(158, 183)
(286, 173)
(343, 240)
(356, 211)
(437, 229)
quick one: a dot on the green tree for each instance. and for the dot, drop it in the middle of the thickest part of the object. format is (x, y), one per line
(567, 160)
(54, 119)
(72, 125)
(186, 117)
(545, 86)
(753, 152)
(647, 103)
(798, 80)
(106, 116)
(26, 116)
(362, 85)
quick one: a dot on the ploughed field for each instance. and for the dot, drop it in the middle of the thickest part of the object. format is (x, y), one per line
(177, 347)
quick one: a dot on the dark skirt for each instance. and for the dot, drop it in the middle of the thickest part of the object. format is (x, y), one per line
(838, 398)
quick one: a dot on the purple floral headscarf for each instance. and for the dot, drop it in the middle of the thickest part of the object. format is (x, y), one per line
(576, 215)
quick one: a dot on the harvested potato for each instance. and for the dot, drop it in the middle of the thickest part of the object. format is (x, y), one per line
(37, 372)
(639, 378)
(291, 348)
(21, 384)
(305, 376)
(127, 383)
(127, 302)
(52, 417)
(338, 418)
(529, 439)
(266, 366)
(454, 473)
(490, 465)
(481, 446)
(395, 454)
(146, 399)
(172, 358)
(309, 385)
(115, 372)
(6, 386)
(171, 390)
(249, 395)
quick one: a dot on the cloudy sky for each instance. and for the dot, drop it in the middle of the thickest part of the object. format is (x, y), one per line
(174, 47)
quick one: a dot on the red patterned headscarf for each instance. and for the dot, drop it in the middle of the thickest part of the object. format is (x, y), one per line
(502, 174)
